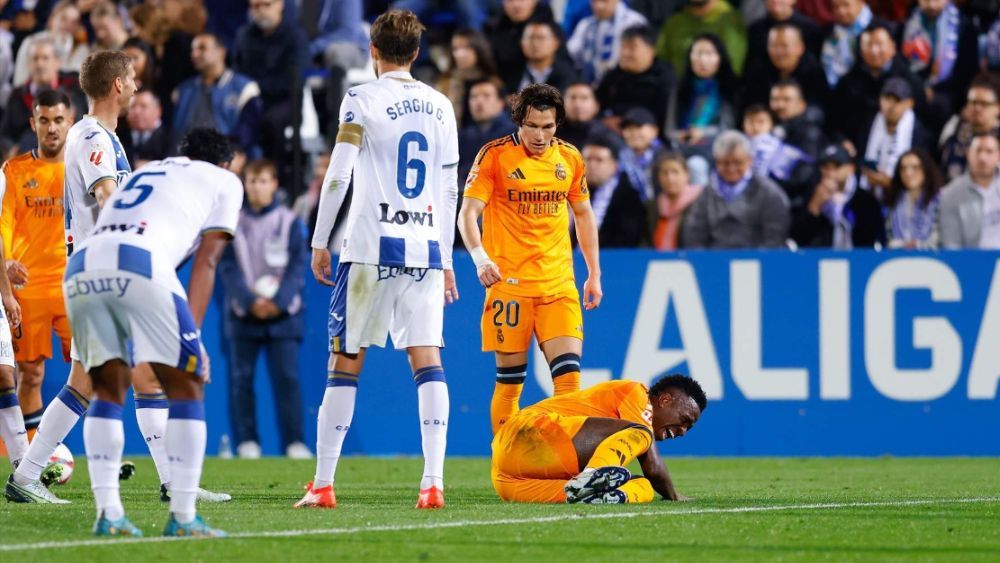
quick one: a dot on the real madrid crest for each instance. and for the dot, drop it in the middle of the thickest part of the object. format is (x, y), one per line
(560, 172)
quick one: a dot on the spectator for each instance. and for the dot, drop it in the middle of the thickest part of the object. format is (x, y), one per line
(700, 17)
(6, 66)
(540, 44)
(164, 31)
(618, 208)
(942, 48)
(263, 273)
(787, 165)
(489, 120)
(109, 28)
(781, 11)
(738, 209)
(338, 37)
(305, 205)
(857, 93)
(471, 61)
(705, 102)
(674, 196)
(642, 147)
(639, 80)
(581, 118)
(597, 40)
(798, 124)
(894, 131)
(787, 58)
(469, 13)
(839, 214)
(505, 33)
(218, 97)
(272, 51)
(656, 12)
(980, 117)
(142, 61)
(969, 215)
(64, 30)
(850, 18)
(44, 73)
(145, 138)
(991, 48)
(912, 201)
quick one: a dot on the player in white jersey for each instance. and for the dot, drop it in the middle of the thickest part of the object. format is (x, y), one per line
(399, 138)
(95, 164)
(126, 306)
(12, 430)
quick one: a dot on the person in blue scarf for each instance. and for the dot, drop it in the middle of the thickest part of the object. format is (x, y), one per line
(912, 201)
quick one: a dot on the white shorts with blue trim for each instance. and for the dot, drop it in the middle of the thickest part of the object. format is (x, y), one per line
(123, 314)
(371, 302)
(6, 343)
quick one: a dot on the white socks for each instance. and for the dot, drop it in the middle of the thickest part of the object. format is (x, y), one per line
(104, 438)
(185, 445)
(335, 415)
(12, 425)
(60, 417)
(151, 413)
(433, 404)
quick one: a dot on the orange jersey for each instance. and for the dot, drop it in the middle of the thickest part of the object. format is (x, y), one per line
(621, 399)
(526, 220)
(32, 222)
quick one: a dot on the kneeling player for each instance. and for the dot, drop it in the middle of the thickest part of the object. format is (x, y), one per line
(575, 447)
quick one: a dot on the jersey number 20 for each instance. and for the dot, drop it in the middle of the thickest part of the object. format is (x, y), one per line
(140, 191)
(404, 164)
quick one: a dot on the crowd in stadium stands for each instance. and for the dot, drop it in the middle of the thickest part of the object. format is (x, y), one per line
(704, 123)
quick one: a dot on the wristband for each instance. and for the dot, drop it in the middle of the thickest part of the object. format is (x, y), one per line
(480, 257)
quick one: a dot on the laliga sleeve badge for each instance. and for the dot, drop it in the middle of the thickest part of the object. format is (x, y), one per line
(560, 171)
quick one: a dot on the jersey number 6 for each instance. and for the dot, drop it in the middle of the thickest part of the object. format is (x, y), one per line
(133, 185)
(404, 164)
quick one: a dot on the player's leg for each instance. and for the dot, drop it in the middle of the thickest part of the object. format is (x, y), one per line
(560, 334)
(104, 439)
(30, 376)
(534, 456)
(433, 407)
(605, 447)
(12, 430)
(513, 489)
(59, 418)
(151, 412)
(507, 325)
(32, 341)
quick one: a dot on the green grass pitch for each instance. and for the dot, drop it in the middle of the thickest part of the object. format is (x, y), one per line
(744, 509)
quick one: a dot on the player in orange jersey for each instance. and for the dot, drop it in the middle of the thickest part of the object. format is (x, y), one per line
(575, 447)
(522, 185)
(35, 247)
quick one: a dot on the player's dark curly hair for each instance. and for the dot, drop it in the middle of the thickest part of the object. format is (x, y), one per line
(205, 143)
(681, 383)
(542, 97)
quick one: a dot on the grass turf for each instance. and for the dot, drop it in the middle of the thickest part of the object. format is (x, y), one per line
(377, 496)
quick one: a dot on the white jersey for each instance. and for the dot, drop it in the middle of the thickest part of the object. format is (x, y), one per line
(93, 153)
(161, 210)
(402, 213)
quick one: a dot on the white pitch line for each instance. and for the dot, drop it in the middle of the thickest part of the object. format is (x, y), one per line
(503, 521)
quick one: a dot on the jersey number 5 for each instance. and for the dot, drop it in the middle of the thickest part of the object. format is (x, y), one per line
(404, 164)
(142, 191)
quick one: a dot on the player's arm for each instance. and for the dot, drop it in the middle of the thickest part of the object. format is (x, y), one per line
(10, 305)
(102, 190)
(449, 192)
(478, 189)
(206, 259)
(15, 271)
(656, 472)
(586, 234)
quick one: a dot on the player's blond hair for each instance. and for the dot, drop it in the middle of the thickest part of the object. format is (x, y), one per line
(396, 35)
(100, 70)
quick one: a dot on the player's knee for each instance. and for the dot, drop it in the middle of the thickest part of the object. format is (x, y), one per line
(31, 374)
(6, 377)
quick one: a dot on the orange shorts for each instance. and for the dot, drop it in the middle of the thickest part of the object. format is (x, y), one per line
(510, 320)
(39, 317)
(537, 446)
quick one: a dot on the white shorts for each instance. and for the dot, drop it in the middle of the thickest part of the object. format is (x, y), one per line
(124, 315)
(6, 342)
(370, 302)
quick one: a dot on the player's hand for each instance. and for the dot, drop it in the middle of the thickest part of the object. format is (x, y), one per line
(17, 273)
(13, 309)
(206, 365)
(681, 498)
(321, 266)
(450, 287)
(489, 274)
(592, 293)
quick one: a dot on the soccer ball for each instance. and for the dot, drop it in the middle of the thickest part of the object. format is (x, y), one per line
(63, 458)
